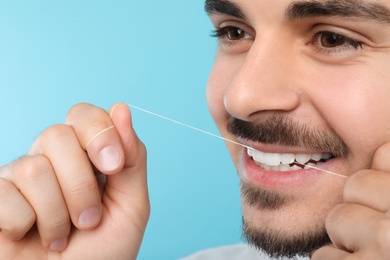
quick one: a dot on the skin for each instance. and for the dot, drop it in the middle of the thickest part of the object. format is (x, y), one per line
(273, 69)
(278, 68)
(118, 211)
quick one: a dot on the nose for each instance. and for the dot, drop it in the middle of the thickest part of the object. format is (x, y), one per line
(264, 83)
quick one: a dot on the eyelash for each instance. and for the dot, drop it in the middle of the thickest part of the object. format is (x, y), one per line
(348, 45)
(220, 32)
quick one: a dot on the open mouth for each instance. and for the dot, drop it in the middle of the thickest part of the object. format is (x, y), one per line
(280, 162)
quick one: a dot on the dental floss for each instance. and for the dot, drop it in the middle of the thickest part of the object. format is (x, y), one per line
(219, 137)
(191, 127)
(104, 130)
(326, 171)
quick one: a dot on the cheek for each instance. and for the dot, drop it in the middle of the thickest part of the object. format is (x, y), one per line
(214, 94)
(355, 104)
(220, 77)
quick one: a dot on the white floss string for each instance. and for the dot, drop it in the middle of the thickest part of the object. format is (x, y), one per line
(104, 130)
(219, 137)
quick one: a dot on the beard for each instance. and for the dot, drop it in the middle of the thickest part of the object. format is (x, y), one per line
(276, 243)
(285, 131)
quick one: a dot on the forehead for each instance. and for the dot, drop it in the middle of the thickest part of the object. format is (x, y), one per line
(378, 10)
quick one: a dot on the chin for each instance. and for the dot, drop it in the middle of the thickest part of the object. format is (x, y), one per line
(283, 225)
(279, 243)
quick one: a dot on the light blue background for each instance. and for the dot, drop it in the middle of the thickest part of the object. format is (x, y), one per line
(154, 54)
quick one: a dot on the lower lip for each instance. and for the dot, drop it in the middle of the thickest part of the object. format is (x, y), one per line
(257, 176)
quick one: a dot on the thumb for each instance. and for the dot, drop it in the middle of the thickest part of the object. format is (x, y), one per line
(128, 188)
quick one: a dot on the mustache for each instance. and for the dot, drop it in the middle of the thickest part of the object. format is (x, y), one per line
(280, 130)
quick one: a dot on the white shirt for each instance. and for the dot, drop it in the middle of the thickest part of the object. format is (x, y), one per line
(233, 252)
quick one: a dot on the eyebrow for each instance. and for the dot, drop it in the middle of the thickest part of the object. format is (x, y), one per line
(313, 8)
(338, 8)
(223, 7)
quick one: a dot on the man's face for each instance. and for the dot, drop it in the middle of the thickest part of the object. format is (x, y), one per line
(298, 82)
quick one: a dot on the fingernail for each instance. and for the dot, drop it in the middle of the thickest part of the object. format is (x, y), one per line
(109, 158)
(59, 244)
(89, 218)
(113, 109)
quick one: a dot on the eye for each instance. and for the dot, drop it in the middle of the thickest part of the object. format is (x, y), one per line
(336, 43)
(231, 33)
(233, 39)
(330, 40)
(333, 40)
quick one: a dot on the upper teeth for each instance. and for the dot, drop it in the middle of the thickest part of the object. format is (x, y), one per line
(276, 159)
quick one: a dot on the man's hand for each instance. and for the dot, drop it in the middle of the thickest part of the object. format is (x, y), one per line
(79, 193)
(360, 227)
